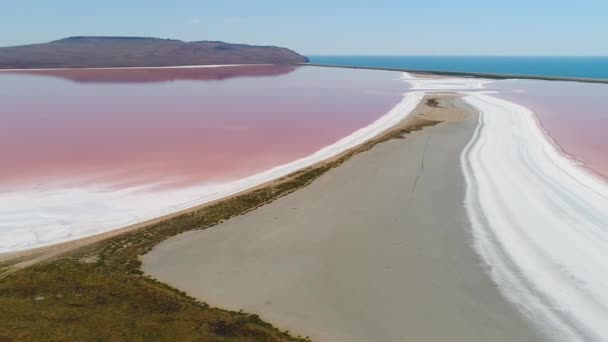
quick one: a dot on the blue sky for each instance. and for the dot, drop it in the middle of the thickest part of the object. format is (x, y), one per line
(390, 27)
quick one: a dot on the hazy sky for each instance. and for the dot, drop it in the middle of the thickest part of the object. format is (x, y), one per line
(452, 27)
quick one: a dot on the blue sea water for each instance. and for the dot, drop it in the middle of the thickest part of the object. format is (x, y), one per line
(584, 67)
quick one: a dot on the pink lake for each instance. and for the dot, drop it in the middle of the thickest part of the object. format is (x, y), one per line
(177, 127)
(85, 151)
(90, 150)
(574, 114)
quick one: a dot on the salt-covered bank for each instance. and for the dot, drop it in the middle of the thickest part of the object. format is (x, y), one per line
(540, 220)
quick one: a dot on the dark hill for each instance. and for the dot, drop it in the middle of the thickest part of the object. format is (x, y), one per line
(81, 52)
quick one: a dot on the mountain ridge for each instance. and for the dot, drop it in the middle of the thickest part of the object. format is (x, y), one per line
(125, 51)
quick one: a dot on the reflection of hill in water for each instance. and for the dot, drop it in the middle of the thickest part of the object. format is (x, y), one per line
(151, 75)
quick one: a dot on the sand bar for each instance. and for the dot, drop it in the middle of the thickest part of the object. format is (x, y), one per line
(378, 249)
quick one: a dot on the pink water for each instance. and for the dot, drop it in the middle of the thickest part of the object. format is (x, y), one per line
(177, 127)
(87, 151)
(574, 114)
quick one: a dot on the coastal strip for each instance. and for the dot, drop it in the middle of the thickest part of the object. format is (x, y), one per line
(9, 70)
(539, 220)
(549, 263)
(482, 75)
(490, 76)
(377, 249)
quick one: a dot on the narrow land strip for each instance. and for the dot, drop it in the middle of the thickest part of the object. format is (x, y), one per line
(376, 250)
(468, 74)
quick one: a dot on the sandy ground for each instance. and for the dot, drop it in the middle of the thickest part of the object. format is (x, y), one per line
(377, 249)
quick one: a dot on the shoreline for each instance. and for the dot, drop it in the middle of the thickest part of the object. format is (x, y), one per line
(559, 291)
(509, 171)
(150, 67)
(580, 164)
(467, 74)
(396, 114)
(495, 76)
(322, 246)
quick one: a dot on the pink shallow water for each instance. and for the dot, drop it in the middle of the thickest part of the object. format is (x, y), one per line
(574, 114)
(177, 127)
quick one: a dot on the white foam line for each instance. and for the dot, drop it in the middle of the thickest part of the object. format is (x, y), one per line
(38, 218)
(539, 220)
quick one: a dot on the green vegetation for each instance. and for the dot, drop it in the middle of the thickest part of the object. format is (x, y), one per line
(67, 300)
(99, 293)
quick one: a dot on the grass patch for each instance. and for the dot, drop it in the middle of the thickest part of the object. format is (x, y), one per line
(99, 293)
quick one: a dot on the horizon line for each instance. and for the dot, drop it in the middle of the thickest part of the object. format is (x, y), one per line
(446, 55)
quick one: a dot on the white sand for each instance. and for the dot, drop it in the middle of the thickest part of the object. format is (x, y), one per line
(540, 220)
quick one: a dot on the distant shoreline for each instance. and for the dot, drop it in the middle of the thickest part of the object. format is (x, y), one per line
(468, 74)
(417, 71)
(136, 67)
